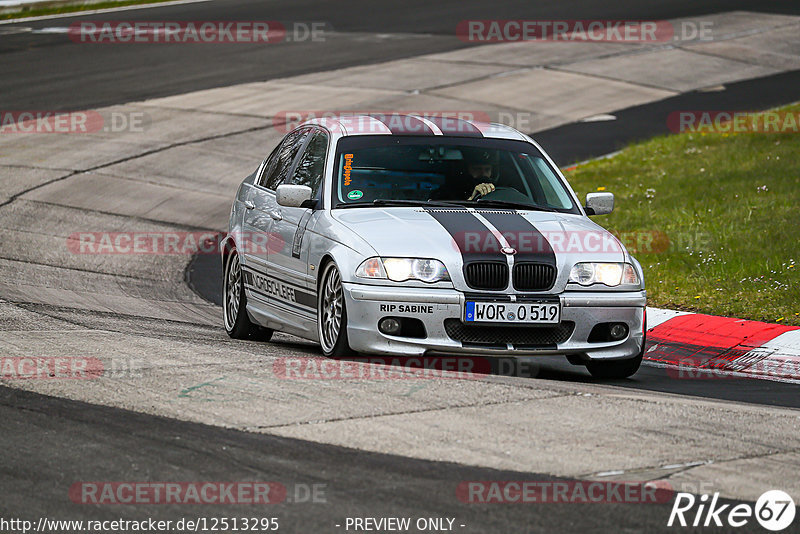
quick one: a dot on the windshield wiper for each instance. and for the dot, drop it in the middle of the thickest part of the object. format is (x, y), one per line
(508, 204)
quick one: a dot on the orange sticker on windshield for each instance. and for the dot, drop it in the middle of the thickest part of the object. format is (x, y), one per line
(348, 166)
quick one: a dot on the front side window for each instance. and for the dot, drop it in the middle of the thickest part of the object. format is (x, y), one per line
(268, 164)
(386, 169)
(312, 163)
(279, 168)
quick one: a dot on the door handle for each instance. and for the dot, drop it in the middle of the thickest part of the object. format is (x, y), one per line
(249, 204)
(275, 214)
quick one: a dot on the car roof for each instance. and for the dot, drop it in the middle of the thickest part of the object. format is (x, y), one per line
(445, 124)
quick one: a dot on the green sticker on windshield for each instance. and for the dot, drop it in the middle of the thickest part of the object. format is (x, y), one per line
(355, 194)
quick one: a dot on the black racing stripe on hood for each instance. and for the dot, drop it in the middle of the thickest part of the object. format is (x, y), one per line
(474, 240)
(530, 243)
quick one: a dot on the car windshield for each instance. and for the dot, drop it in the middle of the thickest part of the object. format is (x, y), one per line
(387, 170)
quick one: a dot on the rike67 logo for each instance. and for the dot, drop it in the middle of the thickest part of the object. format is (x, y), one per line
(774, 510)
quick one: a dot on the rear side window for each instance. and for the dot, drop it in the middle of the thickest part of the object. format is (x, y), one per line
(312, 163)
(279, 167)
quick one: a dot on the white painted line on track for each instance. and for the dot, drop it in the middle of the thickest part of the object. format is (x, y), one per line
(788, 343)
(96, 11)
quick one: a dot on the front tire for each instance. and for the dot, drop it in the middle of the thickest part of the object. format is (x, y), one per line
(616, 369)
(332, 314)
(234, 303)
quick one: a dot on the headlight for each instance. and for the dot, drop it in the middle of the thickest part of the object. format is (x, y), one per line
(402, 269)
(610, 274)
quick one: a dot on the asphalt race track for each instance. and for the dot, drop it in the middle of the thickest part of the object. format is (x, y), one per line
(189, 404)
(354, 483)
(47, 72)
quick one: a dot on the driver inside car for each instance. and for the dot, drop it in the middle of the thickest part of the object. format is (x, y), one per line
(481, 169)
(472, 176)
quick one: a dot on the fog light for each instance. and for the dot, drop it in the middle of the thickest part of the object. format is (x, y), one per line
(619, 331)
(389, 326)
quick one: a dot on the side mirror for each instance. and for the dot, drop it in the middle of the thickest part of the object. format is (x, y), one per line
(599, 203)
(293, 196)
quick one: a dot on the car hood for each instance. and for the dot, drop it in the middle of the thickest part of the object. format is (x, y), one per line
(456, 236)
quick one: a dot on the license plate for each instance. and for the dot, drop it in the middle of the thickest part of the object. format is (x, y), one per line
(513, 312)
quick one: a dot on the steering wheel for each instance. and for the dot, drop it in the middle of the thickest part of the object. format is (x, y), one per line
(505, 193)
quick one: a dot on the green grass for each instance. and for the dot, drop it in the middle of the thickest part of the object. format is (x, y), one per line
(28, 11)
(729, 205)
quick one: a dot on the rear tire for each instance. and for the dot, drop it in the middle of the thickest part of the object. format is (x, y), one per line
(234, 303)
(332, 314)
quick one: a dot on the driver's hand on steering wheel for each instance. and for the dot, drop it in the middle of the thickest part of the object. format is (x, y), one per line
(481, 190)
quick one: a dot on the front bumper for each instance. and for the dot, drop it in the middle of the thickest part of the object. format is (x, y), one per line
(367, 305)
